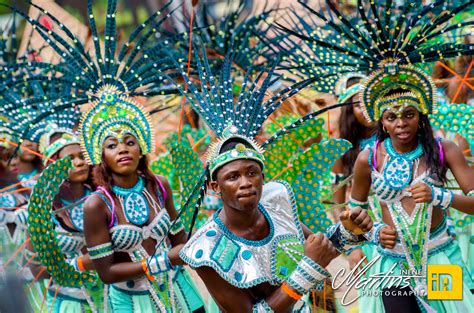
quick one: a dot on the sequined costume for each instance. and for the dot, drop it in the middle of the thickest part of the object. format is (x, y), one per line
(245, 263)
(390, 43)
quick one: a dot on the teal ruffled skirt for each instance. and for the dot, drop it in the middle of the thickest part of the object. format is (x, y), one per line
(186, 297)
(66, 304)
(443, 250)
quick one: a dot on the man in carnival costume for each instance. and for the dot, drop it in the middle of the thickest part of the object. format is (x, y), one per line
(253, 254)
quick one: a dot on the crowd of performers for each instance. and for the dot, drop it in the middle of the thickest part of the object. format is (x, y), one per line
(262, 184)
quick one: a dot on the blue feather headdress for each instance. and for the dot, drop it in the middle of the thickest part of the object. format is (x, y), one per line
(109, 76)
(22, 105)
(239, 29)
(387, 41)
(236, 118)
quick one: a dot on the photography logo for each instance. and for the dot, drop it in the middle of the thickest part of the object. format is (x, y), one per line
(444, 282)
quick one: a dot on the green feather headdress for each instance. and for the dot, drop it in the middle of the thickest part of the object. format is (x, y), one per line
(109, 76)
(388, 42)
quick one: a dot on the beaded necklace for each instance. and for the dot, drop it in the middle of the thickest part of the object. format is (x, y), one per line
(76, 213)
(134, 202)
(399, 170)
(414, 229)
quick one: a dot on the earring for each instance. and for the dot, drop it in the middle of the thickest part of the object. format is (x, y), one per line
(384, 129)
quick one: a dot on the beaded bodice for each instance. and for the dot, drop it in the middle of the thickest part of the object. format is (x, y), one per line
(70, 243)
(130, 237)
(397, 173)
(9, 213)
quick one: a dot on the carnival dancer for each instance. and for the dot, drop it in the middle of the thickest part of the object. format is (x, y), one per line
(407, 166)
(127, 221)
(129, 218)
(355, 128)
(252, 254)
(59, 142)
(414, 205)
(10, 200)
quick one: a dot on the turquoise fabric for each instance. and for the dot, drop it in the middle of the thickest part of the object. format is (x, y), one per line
(448, 254)
(124, 302)
(65, 304)
(187, 293)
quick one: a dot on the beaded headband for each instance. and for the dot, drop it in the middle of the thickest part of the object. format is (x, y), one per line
(377, 90)
(216, 159)
(48, 149)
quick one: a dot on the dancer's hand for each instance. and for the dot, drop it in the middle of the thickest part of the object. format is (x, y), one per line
(355, 257)
(388, 237)
(357, 220)
(318, 248)
(421, 193)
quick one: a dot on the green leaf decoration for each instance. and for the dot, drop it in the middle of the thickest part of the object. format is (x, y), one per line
(280, 154)
(455, 118)
(163, 165)
(188, 170)
(311, 171)
(42, 230)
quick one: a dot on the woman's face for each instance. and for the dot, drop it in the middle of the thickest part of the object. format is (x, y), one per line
(401, 124)
(25, 154)
(5, 154)
(122, 157)
(357, 109)
(13, 166)
(80, 171)
(240, 184)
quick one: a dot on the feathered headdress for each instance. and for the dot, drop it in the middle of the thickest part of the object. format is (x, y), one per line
(109, 77)
(239, 28)
(234, 118)
(23, 106)
(387, 41)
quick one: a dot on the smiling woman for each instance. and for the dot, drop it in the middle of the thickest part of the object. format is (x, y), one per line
(127, 223)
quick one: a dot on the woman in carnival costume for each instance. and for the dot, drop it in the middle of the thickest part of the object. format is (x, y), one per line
(354, 127)
(59, 141)
(25, 162)
(34, 117)
(253, 254)
(407, 166)
(9, 202)
(127, 223)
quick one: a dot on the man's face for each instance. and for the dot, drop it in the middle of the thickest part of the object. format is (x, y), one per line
(240, 184)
